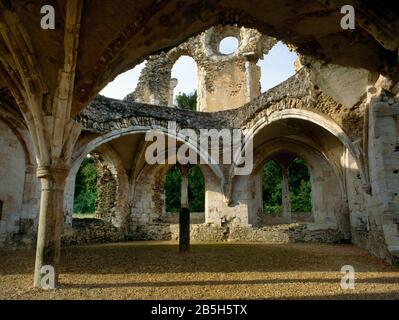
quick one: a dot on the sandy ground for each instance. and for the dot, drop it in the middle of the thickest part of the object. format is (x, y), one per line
(155, 270)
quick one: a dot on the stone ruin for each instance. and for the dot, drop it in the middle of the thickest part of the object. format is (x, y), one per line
(339, 113)
(224, 81)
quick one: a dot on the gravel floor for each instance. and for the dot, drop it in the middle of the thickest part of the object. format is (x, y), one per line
(155, 270)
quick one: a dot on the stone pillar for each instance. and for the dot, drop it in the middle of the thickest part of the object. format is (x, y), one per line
(383, 207)
(285, 187)
(173, 85)
(69, 196)
(50, 219)
(184, 228)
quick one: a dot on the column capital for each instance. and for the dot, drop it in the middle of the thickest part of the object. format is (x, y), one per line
(55, 171)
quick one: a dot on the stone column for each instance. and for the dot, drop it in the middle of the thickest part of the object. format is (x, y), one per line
(173, 85)
(286, 194)
(184, 228)
(69, 196)
(50, 219)
(383, 146)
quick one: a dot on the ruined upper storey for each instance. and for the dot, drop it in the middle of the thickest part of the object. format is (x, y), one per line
(116, 35)
(298, 92)
(225, 81)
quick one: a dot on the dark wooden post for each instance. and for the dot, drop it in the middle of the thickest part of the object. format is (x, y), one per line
(184, 220)
(184, 236)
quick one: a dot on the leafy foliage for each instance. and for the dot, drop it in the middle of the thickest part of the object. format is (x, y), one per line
(85, 187)
(299, 184)
(271, 188)
(300, 187)
(187, 101)
(172, 188)
(196, 190)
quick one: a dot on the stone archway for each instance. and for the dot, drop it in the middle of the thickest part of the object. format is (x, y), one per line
(110, 160)
(328, 197)
(311, 116)
(87, 146)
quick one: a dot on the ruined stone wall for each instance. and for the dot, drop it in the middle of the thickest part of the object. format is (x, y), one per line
(357, 201)
(154, 82)
(218, 210)
(300, 93)
(89, 231)
(19, 188)
(228, 81)
(357, 185)
(297, 232)
(296, 93)
(107, 191)
(148, 203)
(12, 171)
(329, 207)
(224, 81)
(149, 200)
(383, 146)
(173, 218)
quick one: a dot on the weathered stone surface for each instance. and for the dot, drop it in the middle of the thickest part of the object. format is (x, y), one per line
(208, 232)
(224, 81)
(107, 192)
(347, 128)
(86, 231)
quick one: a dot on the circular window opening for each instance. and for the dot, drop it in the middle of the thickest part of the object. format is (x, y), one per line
(228, 45)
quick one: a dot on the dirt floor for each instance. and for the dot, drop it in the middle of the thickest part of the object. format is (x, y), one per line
(154, 270)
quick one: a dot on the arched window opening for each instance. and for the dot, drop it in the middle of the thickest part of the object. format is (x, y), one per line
(86, 189)
(228, 45)
(277, 66)
(184, 83)
(300, 187)
(272, 188)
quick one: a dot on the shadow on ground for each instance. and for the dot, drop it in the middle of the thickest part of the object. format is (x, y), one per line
(141, 257)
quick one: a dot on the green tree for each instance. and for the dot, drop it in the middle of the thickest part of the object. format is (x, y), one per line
(300, 186)
(85, 187)
(271, 188)
(172, 188)
(187, 101)
(196, 190)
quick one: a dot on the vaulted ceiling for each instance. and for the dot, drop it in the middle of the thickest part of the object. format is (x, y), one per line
(115, 35)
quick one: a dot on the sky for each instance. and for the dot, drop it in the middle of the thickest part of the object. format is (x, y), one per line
(276, 67)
